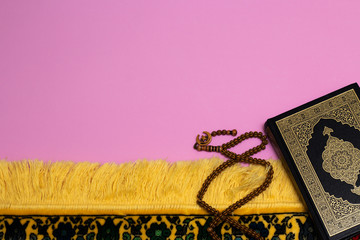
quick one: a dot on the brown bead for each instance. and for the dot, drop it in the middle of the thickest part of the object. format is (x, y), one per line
(234, 158)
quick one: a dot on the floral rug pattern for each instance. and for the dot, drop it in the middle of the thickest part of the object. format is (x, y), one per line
(285, 226)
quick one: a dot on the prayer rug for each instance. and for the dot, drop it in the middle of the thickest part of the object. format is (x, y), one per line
(143, 200)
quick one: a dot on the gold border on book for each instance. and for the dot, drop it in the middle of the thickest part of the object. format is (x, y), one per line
(296, 131)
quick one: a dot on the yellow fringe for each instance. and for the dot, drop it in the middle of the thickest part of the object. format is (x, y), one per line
(142, 187)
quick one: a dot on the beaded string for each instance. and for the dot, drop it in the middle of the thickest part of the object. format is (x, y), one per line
(202, 145)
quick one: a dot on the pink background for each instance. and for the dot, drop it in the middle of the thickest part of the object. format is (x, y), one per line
(118, 81)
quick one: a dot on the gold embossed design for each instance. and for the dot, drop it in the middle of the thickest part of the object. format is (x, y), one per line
(341, 208)
(337, 214)
(341, 114)
(342, 160)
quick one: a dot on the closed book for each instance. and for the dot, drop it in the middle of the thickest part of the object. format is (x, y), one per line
(319, 143)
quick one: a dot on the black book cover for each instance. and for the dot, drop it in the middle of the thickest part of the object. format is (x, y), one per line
(320, 144)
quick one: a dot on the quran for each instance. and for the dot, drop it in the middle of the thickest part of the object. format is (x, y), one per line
(319, 142)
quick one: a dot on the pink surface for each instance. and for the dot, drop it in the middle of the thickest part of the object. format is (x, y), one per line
(125, 80)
